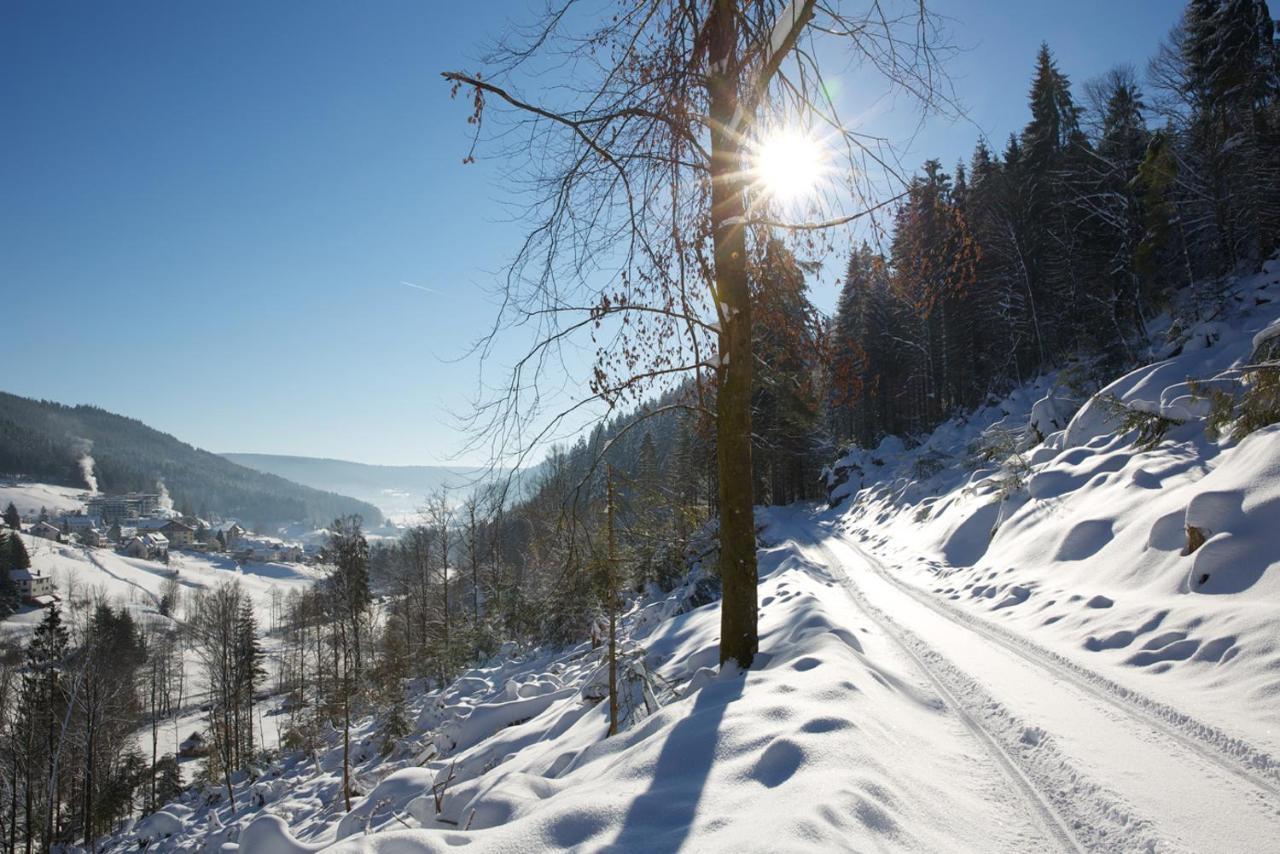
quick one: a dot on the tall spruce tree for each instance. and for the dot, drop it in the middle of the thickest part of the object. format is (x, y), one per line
(43, 704)
(13, 556)
(788, 445)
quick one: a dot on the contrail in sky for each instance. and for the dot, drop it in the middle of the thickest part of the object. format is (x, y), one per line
(419, 287)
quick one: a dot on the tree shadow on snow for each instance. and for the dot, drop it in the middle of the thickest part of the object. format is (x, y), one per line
(661, 818)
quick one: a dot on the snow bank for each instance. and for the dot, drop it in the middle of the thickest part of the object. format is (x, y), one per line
(806, 751)
(1083, 541)
(1032, 513)
(1238, 507)
(268, 834)
(161, 825)
(389, 797)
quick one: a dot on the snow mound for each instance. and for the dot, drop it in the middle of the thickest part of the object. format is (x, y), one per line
(804, 750)
(1138, 539)
(1238, 508)
(392, 795)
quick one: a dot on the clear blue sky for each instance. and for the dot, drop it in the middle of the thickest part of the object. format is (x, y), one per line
(207, 210)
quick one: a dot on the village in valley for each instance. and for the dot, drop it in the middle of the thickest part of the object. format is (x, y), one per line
(137, 525)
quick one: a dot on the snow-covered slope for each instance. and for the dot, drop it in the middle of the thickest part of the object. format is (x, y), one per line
(806, 751)
(993, 642)
(85, 572)
(1081, 541)
(86, 575)
(28, 498)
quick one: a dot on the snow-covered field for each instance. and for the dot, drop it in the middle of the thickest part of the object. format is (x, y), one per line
(30, 497)
(993, 642)
(87, 574)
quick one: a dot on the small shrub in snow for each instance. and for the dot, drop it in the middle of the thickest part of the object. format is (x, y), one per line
(1222, 410)
(1005, 447)
(927, 465)
(1151, 427)
(1196, 538)
(1078, 381)
(1260, 403)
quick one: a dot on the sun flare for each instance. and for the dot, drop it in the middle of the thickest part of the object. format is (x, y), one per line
(789, 164)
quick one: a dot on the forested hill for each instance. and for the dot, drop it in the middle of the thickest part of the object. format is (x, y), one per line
(46, 441)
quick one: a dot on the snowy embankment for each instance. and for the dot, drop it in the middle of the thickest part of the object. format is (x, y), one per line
(1150, 560)
(994, 642)
(85, 575)
(831, 737)
(80, 572)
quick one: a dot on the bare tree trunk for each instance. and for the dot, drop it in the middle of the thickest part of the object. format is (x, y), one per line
(29, 807)
(154, 733)
(226, 775)
(13, 800)
(346, 736)
(474, 556)
(738, 631)
(611, 591)
(444, 578)
(89, 729)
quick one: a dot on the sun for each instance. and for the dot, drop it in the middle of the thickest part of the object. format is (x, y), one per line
(789, 164)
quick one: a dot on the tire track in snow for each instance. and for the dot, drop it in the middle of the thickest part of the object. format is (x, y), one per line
(99, 564)
(1229, 753)
(1046, 813)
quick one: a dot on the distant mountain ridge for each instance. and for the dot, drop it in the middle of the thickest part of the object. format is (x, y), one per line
(49, 441)
(396, 490)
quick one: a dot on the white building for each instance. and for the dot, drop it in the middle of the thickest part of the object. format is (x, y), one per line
(46, 531)
(113, 508)
(31, 584)
(252, 549)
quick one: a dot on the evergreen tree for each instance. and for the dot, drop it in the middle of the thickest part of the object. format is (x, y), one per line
(1055, 119)
(12, 517)
(249, 672)
(168, 779)
(1232, 78)
(933, 322)
(785, 403)
(43, 703)
(855, 358)
(13, 556)
(349, 582)
(107, 704)
(1106, 197)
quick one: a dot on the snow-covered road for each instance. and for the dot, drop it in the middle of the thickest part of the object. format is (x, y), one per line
(1095, 769)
